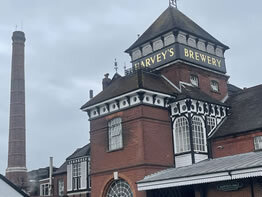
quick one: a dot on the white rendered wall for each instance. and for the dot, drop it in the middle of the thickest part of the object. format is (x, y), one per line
(7, 191)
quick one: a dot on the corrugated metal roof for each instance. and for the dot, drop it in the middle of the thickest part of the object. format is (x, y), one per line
(223, 164)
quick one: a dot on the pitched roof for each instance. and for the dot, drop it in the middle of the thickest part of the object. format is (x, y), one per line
(170, 20)
(80, 152)
(62, 169)
(246, 112)
(212, 166)
(129, 83)
(232, 89)
(196, 93)
(13, 186)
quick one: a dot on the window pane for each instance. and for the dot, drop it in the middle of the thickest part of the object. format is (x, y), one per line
(258, 142)
(115, 134)
(182, 138)
(199, 137)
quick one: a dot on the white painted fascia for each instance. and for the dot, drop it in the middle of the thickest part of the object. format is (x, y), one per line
(77, 193)
(247, 173)
(173, 85)
(215, 177)
(225, 98)
(124, 95)
(182, 83)
(184, 181)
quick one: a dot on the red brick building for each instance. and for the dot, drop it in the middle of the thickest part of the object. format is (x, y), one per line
(173, 125)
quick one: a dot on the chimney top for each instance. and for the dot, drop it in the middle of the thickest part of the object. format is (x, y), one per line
(18, 36)
(91, 94)
(106, 75)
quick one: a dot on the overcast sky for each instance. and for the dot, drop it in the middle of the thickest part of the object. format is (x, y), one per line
(71, 44)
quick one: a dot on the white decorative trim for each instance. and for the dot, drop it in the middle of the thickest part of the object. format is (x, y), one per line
(16, 169)
(134, 100)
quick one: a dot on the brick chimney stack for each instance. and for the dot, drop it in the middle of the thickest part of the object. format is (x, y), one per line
(16, 170)
(106, 81)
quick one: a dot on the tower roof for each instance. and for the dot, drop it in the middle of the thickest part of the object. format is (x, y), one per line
(173, 20)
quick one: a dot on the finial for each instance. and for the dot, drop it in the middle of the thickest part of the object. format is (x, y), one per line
(173, 3)
(116, 66)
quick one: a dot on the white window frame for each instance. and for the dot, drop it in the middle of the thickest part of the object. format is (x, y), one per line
(89, 172)
(199, 134)
(181, 135)
(61, 187)
(119, 188)
(76, 176)
(194, 80)
(214, 85)
(258, 142)
(43, 188)
(211, 123)
(115, 137)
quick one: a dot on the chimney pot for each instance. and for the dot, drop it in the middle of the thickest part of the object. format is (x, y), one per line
(91, 94)
(106, 81)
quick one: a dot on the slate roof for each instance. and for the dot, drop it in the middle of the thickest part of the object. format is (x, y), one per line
(246, 112)
(170, 20)
(13, 186)
(223, 164)
(196, 93)
(62, 169)
(80, 152)
(232, 89)
(137, 80)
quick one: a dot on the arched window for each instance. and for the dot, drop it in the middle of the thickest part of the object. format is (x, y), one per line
(119, 188)
(199, 136)
(115, 140)
(181, 134)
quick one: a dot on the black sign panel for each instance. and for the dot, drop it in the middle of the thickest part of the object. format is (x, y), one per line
(179, 51)
(228, 187)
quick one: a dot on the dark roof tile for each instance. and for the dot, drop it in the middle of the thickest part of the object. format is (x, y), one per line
(246, 112)
(80, 152)
(129, 83)
(170, 20)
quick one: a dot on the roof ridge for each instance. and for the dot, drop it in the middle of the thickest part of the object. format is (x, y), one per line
(245, 90)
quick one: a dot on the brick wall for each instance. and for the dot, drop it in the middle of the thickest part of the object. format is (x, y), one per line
(55, 183)
(147, 139)
(181, 72)
(233, 145)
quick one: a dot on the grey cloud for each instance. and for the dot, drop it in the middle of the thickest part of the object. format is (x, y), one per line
(71, 44)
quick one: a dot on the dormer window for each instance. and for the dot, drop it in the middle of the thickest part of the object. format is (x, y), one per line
(214, 86)
(258, 143)
(115, 140)
(194, 80)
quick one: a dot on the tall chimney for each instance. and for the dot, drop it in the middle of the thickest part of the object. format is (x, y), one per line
(16, 170)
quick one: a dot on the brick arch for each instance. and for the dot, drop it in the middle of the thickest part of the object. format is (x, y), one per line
(110, 179)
